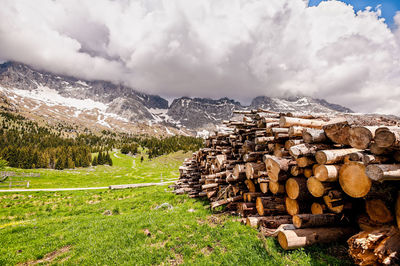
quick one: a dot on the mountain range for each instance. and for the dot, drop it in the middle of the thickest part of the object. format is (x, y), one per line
(98, 104)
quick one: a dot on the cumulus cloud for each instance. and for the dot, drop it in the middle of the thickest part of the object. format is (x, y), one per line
(213, 48)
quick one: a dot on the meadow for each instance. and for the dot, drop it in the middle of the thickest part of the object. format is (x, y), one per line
(139, 226)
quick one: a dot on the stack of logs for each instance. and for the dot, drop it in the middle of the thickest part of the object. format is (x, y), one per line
(324, 176)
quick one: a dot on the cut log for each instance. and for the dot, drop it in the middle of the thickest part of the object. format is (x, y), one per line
(276, 188)
(378, 211)
(308, 172)
(318, 188)
(250, 185)
(225, 201)
(292, 239)
(375, 149)
(296, 188)
(252, 169)
(269, 221)
(387, 137)
(374, 159)
(311, 135)
(316, 220)
(295, 131)
(264, 187)
(252, 196)
(327, 173)
(239, 171)
(306, 149)
(360, 137)
(353, 180)
(305, 161)
(383, 172)
(318, 208)
(292, 142)
(333, 156)
(296, 171)
(335, 204)
(275, 165)
(263, 140)
(270, 205)
(294, 207)
(285, 121)
(338, 132)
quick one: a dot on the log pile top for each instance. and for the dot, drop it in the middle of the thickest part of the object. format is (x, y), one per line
(306, 179)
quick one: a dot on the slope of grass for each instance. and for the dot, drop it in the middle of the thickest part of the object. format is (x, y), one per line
(125, 170)
(126, 227)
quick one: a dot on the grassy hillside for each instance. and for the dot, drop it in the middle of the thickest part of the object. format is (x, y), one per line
(132, 227)
(125, 170)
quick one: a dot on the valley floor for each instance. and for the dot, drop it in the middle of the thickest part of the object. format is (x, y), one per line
(135, 226)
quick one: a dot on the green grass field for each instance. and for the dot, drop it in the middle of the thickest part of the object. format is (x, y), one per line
(125, 170)
(108, 227)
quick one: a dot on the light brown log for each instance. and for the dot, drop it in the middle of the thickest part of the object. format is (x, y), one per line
(225, 201)
(308, 172)
(333, 203)
(296, 171)
(338, 132)
(294, 207)
(250, 185)
(327, 173)
(305, 161)
(383, 172)
(270, 205)
(264, 187)
(318, 208)
(276, 188)
(239, 171)
(285, 121)
(275, 166)
(295, 131)
(292, 142)
(311, 135)
(378, 211)
(306, 149)
(333, 156)
(292, 239)
(268, 221)
(252, 169)
(316, 220)
(263, 140)
(360, 137)
(387, 137)
(353, 180)
(318, 188)
(252, 196)
(296, 188)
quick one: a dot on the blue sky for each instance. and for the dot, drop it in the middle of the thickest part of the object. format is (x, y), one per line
(388, 7)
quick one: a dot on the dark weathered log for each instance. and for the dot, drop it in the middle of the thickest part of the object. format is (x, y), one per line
(338, 132)
(397, 210)
(270, 205)
(316, 220)
(292, 239)
(268, 221)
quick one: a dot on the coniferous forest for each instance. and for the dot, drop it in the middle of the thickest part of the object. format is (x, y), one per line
(26, 144)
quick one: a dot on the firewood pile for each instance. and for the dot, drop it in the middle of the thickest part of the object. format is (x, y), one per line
(326, 177)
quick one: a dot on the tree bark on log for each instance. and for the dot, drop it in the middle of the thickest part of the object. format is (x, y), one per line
(306, 149)
(275, 166)
(311, 135)
(225, 201)
(292, 239)
(269, 221)
(315, 220)
(338, 132)
(252, 169)
(285, 121)
(270, 205)
(387, 137)
(332, 156)
(327, 173)
(296, 188)
(360, 137)
(383, 172)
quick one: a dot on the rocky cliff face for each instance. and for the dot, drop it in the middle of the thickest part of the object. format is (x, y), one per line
(63, 97)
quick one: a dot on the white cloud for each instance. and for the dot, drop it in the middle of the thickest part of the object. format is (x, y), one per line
(213, 48)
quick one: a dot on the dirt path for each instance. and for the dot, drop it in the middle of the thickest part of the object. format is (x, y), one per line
(88, 188)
